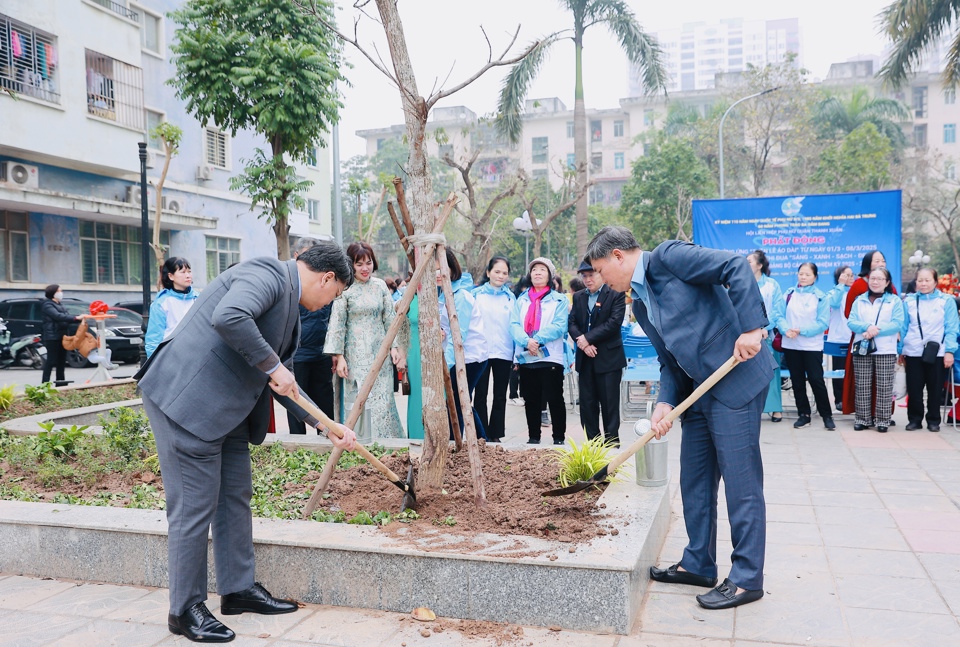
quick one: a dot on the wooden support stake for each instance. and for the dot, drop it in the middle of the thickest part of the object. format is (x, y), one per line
(402, 307)
(403, 237)
(452, 407)
(402, 201)
(469, 430)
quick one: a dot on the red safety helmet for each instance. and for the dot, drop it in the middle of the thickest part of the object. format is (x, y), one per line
(99, 308)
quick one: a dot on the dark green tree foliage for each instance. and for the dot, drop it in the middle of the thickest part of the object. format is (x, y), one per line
(661, 186)
(837, 117)
(862, 162)
(261, 65)
(912, 26)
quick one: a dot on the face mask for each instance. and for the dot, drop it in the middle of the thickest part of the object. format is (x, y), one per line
(58, 296)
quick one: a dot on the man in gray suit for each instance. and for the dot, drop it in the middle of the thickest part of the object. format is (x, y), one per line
(698, 307)
(206, 391)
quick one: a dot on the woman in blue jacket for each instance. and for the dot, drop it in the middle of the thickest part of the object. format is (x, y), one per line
(929, 344)
(876, 315)
(802, 316)
(172, 303)
(539, 328)
(772, 295)
(495, 302)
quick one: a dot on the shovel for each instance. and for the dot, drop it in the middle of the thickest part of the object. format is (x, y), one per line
(612, 466)
(409, 497)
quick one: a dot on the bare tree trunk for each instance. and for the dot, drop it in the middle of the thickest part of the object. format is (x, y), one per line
(435, 421)
(580, 149)
(157, 248)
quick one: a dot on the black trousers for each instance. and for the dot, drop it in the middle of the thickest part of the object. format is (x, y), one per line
(807, 366)
(494, 423)
(600, 394)
(839, 364)
(56, 357)
(514, 384)
(921, 375)
(542, 383)
(316, 380)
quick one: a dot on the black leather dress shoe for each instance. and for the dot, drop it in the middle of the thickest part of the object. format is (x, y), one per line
(256, 599)
(673, 575)
(913, 426)
(881, 429)
(199, 625)
(725, 596)
(859, 427)
(933, 427)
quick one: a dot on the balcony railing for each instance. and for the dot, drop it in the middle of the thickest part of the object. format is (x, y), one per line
(118, 8)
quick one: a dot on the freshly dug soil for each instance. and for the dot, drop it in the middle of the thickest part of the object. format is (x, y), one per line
(513, 482)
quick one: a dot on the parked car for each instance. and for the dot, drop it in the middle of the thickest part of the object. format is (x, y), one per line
(124, 334)
(136, 306)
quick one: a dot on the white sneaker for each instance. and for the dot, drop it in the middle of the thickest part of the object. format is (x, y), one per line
(517, 402)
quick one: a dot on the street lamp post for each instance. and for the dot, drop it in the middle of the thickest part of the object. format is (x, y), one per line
(732, 106)
(919, 259)
(522, 226)
(144, 245)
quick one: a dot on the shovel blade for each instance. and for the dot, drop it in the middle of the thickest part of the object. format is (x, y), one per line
(579, 486)
(409, 497)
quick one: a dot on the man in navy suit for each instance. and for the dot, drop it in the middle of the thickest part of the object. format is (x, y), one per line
(594, 324)
(699, 306)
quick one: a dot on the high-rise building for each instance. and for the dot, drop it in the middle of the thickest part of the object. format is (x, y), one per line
(696, 52)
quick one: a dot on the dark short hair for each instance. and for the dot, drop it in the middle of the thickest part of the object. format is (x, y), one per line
(610, 238)
(812, 266)
(171, 266)
(455, 271)
(50, 290)
(391, 283)
(326, 256)
(837, 272)
(576, 284)
(493, 262)
(361, 250)
(761, 261)
(886, 272)
(868, 261)
(936, 277)
(303, 244)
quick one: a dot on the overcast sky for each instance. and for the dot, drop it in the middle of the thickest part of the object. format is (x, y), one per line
(446, 46)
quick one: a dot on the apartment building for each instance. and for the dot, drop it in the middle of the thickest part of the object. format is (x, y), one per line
(81, 83)
(696, 52)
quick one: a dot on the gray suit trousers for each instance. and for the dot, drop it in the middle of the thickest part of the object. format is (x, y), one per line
(207, 483)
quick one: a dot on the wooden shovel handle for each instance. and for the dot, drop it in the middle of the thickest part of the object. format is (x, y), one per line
(332, 428)
(677, 411)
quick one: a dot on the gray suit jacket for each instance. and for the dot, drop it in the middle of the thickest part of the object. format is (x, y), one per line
(210, 373)
(702, 300)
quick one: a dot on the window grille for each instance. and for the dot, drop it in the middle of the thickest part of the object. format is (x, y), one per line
(216, 147)
(221, 254)
(110, 254)
(114, 90)
(313, 210)
(14, 247)
(29, 61)
(118, 8)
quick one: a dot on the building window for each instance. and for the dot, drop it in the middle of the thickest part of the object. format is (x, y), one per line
(618, 129)
(569, 130)
(618, 161)
(949, 133)
(648, 117)
(949, 96)
(29, 61)
(596, 131)
(221, 254)
(14, 246)
(313, 210)
(151, 26)
(539, 148)
(380, 142)
(312, 157)
(920, 135)
(215, 147)
(114, 90)
(950, 171)
(110, 254)
(571, 161)
(153, 118)
(539, 173)
(596, 162)
(920, 102)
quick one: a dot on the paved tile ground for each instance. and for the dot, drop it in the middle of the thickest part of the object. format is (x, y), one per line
(863, 549)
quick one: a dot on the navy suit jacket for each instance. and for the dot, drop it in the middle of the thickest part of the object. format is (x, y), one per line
(605, 331)
(702, 300)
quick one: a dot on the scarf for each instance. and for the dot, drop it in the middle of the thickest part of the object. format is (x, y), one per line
(531, 322)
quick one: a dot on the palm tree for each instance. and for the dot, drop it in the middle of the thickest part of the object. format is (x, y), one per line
(641, 49)
(835, 116)
(913, 25)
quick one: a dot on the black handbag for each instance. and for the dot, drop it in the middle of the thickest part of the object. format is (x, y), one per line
(931, 350)
(867, 346)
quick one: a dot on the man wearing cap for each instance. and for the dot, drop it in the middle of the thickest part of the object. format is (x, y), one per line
(594, 325)
(699, 306)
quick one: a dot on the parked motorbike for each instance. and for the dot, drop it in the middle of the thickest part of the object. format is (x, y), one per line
(26, 351)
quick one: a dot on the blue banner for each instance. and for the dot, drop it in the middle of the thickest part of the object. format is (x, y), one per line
(829, 230)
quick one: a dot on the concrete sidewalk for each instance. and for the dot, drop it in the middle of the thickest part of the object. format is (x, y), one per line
(863, 548)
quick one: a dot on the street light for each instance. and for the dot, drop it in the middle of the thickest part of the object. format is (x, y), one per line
(522, 226)
(144, 246)
(732, 106)
(919, 259)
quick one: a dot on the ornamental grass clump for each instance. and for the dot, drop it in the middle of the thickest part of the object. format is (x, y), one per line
(580, 462)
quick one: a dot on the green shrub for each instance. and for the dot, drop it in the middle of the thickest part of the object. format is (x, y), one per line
(62, 442)
(7, 396)
(39, 395)
(128, 433)
(580, 462)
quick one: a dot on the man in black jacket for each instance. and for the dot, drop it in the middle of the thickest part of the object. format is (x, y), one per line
(312, 369)
(594, 325)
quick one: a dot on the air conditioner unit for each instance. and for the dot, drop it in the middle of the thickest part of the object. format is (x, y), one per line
(172, 205)
(205, 172)
(151, 159)
(23, 176)
(133, 194)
